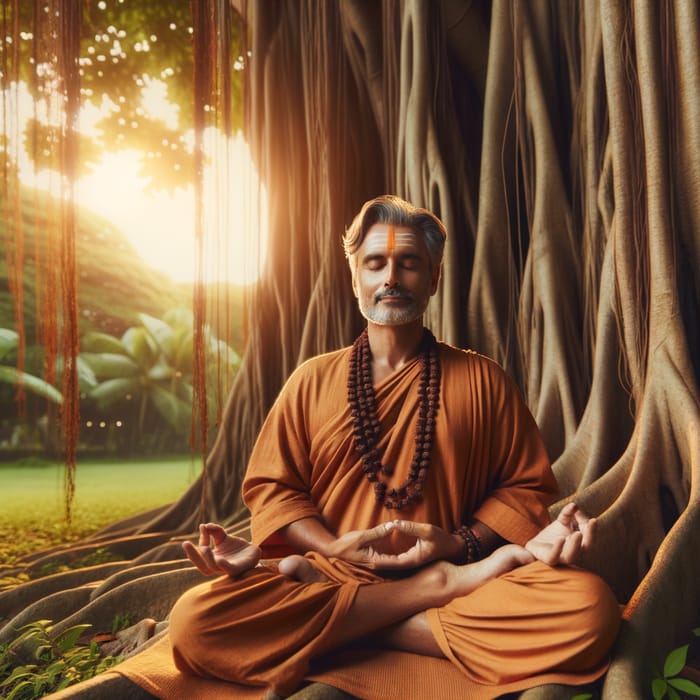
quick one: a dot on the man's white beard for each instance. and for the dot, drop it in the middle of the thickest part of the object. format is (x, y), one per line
(386, 316)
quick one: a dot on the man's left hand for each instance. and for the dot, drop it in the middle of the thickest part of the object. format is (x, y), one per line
(423, 543)
(563, 541)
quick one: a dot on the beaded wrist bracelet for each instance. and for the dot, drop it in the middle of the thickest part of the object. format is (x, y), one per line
(473, 544)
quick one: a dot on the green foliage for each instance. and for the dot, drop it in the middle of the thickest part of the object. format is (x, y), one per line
(144, 379)
(114, 284)
(125, 47)
(670, 684)
(101, 555)
(38, 662)
(121, 621)
(14, 377)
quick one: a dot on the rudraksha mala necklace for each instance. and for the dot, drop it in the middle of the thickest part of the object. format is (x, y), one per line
(367, 428)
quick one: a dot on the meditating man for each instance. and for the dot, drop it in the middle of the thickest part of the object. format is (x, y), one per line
(405, 484)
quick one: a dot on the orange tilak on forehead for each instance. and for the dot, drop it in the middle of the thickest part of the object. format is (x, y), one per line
(391, 239)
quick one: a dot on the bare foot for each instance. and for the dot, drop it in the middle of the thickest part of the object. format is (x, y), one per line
(462, 580)
(300, 569)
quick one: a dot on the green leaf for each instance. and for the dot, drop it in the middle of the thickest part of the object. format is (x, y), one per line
(658, 688)
(64, 683)
(18, 691)
(11, 375)
(672, 694)
(179, 318)
(101, 342)
(686, 686)
(176, 412)
(160, 331)
(108, 365)
(141, 346)
(160, 371)
(675, 661)
(86, 377)
(19, 673)
(44, 651)
(70, 636)
(8, 341)
(113, 390)
(583, 696)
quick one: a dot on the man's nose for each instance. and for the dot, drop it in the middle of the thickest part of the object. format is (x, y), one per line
(390, 280)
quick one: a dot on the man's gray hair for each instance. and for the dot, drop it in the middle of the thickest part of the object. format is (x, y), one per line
(390, 209)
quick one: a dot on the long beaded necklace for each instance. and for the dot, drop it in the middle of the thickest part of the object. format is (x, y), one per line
(367, 428)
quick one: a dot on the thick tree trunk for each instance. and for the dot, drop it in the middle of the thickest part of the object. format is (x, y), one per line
(558, 142)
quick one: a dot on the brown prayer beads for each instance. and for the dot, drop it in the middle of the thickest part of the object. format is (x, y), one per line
(473, 551)
(367, 428)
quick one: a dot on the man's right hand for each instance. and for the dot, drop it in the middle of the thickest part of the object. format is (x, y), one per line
(229, 555)
(364, 547)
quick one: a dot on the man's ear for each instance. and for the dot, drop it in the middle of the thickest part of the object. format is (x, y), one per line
(437, 269)
(353, 277)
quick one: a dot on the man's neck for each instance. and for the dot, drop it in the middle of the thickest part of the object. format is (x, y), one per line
(393, 346)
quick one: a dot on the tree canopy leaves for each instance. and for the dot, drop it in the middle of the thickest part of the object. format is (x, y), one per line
(136, 68)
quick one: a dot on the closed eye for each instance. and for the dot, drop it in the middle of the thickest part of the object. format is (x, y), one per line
(374, 262)
(410, 262)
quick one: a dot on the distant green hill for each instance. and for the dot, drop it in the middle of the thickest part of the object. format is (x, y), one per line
(114, 283)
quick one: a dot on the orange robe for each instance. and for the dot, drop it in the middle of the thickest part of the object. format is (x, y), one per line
(261, 631)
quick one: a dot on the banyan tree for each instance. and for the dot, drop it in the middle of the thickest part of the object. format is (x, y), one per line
(560, 144)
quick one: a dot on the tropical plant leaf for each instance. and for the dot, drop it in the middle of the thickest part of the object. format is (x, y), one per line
(141, 346)
(101, 342)
(179, 318)
(675, 661)
(672, 694)
(658, 688)
(19, 691)
(160, 331)
(8, 341)
(176, 412)
(160, 371)
(685, 685)
(109, 365)
(184, 354)
(11, 375)
(20, 672)
(86, 377)
(70, 636)
(113, 390)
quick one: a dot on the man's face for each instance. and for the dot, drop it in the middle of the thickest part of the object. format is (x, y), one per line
(394, 277)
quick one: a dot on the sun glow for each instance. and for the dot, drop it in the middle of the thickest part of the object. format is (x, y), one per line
(161, 225)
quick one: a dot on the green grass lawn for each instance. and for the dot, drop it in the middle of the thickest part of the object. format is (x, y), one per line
(32, 514)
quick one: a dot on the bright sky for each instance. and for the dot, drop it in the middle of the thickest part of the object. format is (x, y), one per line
(161, 226)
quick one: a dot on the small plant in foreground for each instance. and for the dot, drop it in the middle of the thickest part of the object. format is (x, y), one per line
(36, 663)
(121, 622)
(671, 683)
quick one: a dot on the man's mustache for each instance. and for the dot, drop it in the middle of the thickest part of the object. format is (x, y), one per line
(395, 292)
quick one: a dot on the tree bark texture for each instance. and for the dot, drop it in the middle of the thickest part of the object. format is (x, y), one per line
(559, 143)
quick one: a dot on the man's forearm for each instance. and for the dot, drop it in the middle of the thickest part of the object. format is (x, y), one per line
(308, 534)
(488, 539)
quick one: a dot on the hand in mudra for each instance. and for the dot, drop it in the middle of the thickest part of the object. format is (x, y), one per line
(562, 541)
(228, 555)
